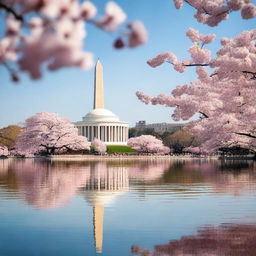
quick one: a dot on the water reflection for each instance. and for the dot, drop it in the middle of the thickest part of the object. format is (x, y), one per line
(229, 177)
(228, 239)
(105, 183)
(41, 184)
(45, 184)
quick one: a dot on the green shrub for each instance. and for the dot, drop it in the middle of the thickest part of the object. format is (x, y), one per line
(120, 149)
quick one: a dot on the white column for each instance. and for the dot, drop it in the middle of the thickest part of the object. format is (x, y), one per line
(105, 133)
(98, 135)
(92, 127)
(115, 133)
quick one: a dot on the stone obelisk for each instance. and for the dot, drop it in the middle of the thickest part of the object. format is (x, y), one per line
(98, 86)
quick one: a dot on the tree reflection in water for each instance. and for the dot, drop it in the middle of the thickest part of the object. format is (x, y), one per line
(45, 184)
(225, 240)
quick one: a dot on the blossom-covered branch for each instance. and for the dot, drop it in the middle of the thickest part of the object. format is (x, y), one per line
(223, 94)
(54, 31)
(213, 12)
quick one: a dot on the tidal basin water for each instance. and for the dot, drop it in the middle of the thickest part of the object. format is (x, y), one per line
(143, 207)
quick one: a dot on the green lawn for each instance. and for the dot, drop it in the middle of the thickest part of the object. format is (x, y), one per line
(120, 149)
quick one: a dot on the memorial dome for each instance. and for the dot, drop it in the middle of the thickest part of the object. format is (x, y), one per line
(101, 115)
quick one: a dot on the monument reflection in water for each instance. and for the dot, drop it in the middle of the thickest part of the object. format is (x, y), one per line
(171, 187)
(101, 188)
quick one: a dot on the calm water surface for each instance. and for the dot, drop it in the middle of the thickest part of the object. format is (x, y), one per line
(153, 207)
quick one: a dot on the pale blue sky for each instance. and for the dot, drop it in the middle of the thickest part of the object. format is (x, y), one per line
(69, 92)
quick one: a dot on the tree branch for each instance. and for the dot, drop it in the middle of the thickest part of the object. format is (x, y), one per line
(205, 11)
(206, 116)
(12, 11)
(246, 134)
(197, 65)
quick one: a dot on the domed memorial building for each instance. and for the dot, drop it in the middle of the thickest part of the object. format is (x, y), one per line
(101, 123)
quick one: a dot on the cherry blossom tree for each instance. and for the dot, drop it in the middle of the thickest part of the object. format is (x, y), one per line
(4, 151)
(99, 146)
(223, 95)
(48, 133)
(148, 144)
(213, 12)
(54, 32)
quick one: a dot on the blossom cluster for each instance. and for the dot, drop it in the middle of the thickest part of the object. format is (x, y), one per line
(148, 144)
(198, 54)
(213, 12)
(99, 146)
(4, 151)
(54, 32)
(223, 98)
(49, 133)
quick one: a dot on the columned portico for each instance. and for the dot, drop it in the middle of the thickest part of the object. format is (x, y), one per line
(111, 133)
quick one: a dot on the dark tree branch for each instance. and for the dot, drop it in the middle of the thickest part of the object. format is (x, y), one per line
(204, 115)
(197, 65)
(12, 11)
(206, 12)
(192, 65)
(246, 134)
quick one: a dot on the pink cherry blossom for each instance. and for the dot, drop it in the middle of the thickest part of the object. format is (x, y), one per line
(179, 66)
(161, 58)
(55, 32)
(213, 12)
(88, 10)
(199, 55)
(48, 133)
(221, 101)
(206, 39)
(248, 11)
(193, 35)
(114, 17)
(178, 3)
(99, 146)
(4, 151)
(148, 144)
(137, 34)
